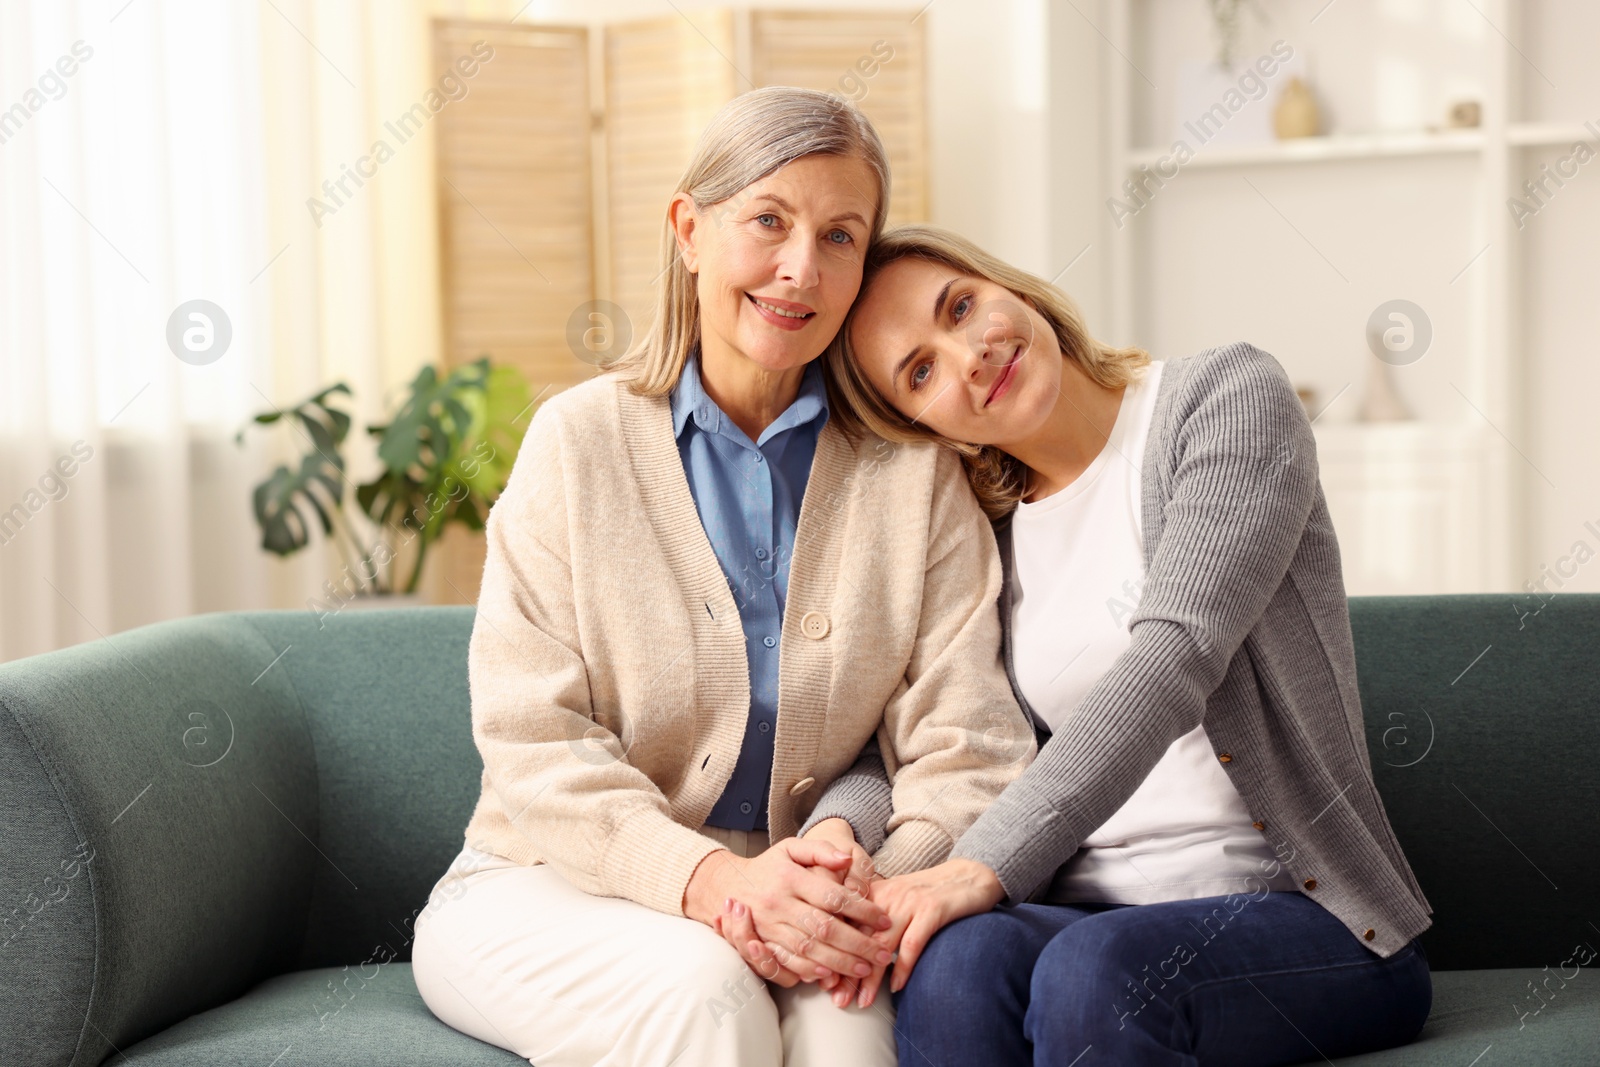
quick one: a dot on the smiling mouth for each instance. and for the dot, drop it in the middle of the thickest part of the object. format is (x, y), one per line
(1007, 372)
(791, 312)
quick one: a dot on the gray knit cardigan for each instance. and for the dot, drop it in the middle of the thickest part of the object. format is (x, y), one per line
(1243, 625)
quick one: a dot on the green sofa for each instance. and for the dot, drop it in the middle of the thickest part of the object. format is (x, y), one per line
(218, 832)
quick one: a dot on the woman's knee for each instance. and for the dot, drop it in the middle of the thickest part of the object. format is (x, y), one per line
(714, 987)
(1099, 977)
(971, 964)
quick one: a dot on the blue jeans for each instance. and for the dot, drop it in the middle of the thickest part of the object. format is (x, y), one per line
(1258, 981)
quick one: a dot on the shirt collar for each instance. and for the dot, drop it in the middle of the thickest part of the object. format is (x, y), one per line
(689, 397)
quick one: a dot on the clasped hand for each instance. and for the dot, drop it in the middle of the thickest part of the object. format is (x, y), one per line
(851, 929)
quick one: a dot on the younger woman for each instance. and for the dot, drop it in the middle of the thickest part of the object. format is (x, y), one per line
(1197, 868)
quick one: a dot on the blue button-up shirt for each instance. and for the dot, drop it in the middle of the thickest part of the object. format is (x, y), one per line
(748, 495)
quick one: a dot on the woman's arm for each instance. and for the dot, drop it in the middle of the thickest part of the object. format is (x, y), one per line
(955, 736)
(860, 797)
(1241, 491)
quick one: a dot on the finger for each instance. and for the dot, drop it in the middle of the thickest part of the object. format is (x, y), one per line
(861, 868)
(740, 924)
(809, 943)
(872, 985)
(829, 897)
(811, 853)
(867, 992)
(769, 968)
(830, 940)
(806, 970)
(923, 926)
(740, 932)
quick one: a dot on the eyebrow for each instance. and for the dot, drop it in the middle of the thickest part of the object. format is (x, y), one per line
(938, 309)
(781, 202)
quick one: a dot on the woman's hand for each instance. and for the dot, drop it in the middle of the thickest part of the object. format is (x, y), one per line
(858, 879)
(737, 925)
(797, 906)
(839, 833)
(923, 902)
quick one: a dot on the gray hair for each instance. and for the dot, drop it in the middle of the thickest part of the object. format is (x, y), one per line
(749, 138)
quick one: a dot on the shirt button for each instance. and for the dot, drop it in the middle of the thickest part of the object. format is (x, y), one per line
(761, 553)
(1224, 757)
(745, 808)
(1369, 935)
(760, 458)
(1259, 825)
(1310, 883)
(814, 624)
(768, 641)
(764, 727)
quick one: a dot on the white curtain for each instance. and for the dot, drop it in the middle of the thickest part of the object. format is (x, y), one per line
(158, 152)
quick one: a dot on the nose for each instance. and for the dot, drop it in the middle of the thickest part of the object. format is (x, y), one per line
(797, 263)
(990, 327)
(975, 362)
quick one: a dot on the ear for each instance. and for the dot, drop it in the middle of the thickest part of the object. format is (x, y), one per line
(684, 220)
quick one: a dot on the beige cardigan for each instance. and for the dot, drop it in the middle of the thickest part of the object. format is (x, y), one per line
(608, 672)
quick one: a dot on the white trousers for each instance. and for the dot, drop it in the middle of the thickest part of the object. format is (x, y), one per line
(518, 957)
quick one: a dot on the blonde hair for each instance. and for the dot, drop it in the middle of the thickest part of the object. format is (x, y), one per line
(998, 478)
(749, 138)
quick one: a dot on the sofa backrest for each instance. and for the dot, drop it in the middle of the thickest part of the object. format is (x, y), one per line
(194, 806)
(191, 807)
(1483, 723)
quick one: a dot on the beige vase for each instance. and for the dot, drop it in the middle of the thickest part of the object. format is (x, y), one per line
(1296, 114)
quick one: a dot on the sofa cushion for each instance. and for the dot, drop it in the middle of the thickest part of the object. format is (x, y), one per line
(1478, 1012)
(352, 1017)
(336, 1016)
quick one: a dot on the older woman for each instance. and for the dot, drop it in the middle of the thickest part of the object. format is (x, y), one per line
(1197, 869)
(701, 600)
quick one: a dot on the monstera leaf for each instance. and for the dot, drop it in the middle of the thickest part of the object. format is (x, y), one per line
(318, 483)
(446, 455)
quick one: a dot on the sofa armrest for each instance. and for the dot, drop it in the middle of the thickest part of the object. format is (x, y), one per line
(158, 815)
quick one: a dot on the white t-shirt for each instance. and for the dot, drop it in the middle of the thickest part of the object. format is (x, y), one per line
(1079, 568)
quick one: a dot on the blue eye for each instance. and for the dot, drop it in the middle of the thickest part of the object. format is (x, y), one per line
(774, 219)
(841, 234)
(916, 382)
(958, 314)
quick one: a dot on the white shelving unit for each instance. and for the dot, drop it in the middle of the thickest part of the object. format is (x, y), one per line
(1437, 505)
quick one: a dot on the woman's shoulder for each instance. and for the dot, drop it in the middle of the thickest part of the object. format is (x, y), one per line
(921, 460)
(594, 398)
(587, 411)
(1221, 366)
(1235, 384)
(576, 428)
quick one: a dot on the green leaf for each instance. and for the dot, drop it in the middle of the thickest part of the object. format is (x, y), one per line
(282, 500)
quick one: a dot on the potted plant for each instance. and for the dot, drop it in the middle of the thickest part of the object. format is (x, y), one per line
(446, 455)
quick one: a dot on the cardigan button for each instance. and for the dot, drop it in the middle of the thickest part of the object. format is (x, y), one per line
(1311, 883)
(1224, 757)
(1259, 825)
(814, 624)
(801, 786)
(1369, 935)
